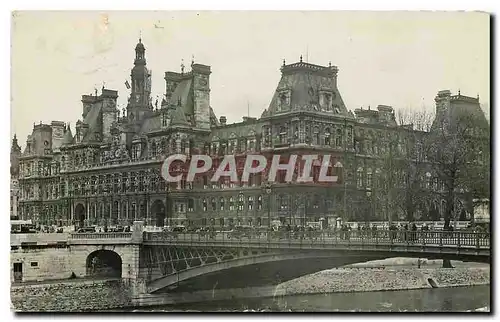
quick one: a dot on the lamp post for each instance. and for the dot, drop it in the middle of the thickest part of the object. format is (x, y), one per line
(268, 190)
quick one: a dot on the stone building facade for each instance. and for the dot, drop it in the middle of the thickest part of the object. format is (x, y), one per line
(108, 171)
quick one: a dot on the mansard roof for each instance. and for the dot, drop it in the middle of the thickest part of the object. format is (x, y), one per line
(301, 85)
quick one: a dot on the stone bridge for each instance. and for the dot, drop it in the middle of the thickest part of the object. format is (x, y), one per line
(159, 262)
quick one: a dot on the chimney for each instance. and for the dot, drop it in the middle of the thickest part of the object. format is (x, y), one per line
(222, 120)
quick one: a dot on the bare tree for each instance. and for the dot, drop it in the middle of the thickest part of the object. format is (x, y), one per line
(459, 154)
(407, 164)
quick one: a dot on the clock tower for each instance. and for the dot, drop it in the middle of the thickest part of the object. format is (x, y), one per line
(140, 97)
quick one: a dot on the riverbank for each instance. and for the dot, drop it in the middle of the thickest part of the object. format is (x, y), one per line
(389, 275)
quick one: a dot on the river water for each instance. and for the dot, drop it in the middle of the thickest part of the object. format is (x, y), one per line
(458, 299)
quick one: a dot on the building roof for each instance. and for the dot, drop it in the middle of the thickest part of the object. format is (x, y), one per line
(304, 83)
(68, 137)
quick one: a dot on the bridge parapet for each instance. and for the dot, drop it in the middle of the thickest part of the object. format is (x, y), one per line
(422, 241)
(100, 238)
(38, 239)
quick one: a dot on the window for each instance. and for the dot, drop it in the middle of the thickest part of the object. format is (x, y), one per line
(214, 204)
(190, 205)
(231, 203)
(34, 264)
(359, 177)
(327, 137)
(240, 203)
(283, 134)
(338, 138)
(221, 203)
(204, 204)
(259, 203)
(369, 177)
(316, 136)
(250, 202)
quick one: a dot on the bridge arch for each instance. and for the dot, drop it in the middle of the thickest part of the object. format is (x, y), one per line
(104, 263)
(80, 214)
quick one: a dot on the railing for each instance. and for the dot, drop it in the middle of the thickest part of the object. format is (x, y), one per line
(443, 239)
(120, 235)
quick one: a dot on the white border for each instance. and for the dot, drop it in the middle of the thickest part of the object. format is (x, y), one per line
(7, 7)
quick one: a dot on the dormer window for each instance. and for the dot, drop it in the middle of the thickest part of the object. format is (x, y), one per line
(283, 100)
(283, 134)
(165, 120)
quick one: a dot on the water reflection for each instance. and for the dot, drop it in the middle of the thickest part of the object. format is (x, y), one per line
(427, 300)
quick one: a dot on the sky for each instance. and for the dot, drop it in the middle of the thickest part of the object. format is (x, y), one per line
(401, 59)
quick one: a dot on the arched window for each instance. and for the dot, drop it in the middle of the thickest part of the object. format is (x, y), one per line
(327, 137)
(221, 203)
(250, 202)
(316, 135)
(204, 202)
(240, 202)
(338, 138)
(359, 177)
(428, 180)
(231, 203)
(259, 203)
(369, 175)
(214, 204)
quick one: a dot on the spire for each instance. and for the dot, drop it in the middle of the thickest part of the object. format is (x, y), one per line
(15, 146)
(329, 64)
(284, 62)
(458, 92)
(192, 60)
(140, 58)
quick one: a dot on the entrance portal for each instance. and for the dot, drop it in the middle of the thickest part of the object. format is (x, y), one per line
(158, 212)
(80, 215)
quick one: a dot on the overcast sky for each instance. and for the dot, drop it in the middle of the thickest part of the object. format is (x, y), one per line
(400, 59)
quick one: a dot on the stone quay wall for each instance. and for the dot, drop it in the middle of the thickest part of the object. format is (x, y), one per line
(72, 296)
